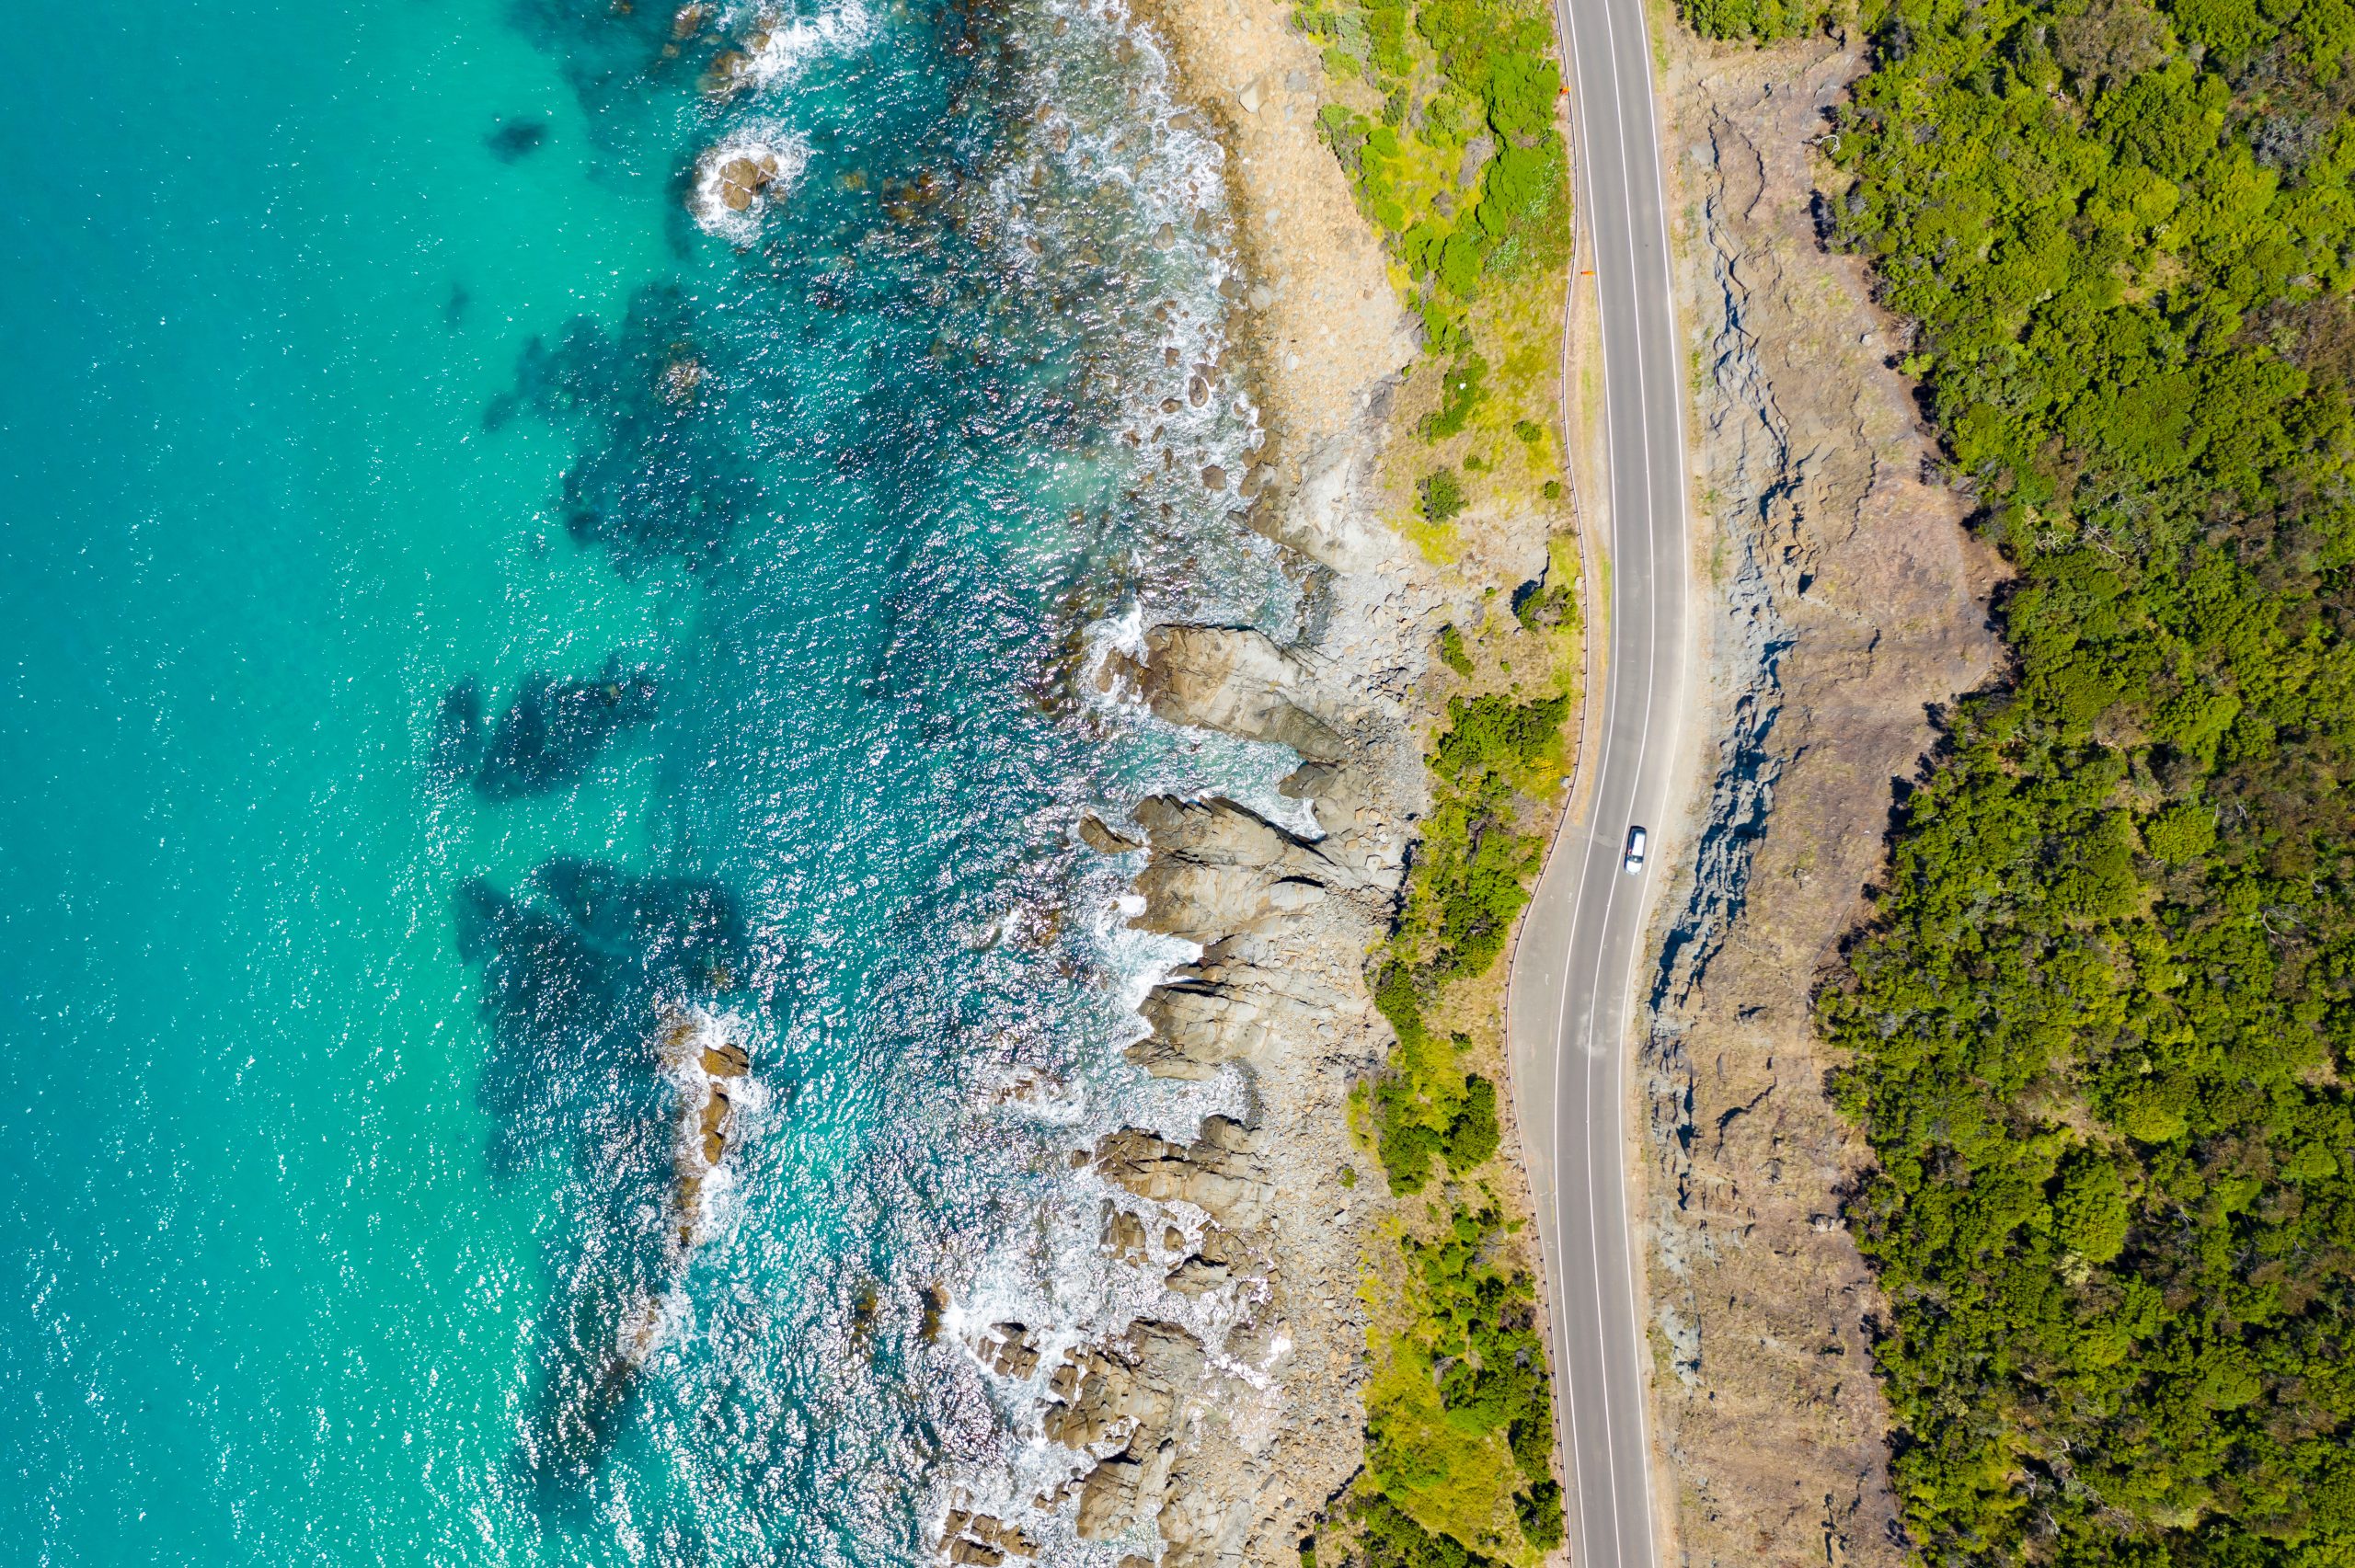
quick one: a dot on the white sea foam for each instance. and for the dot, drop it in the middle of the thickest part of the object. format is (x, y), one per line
(740, 175)
(778, 47)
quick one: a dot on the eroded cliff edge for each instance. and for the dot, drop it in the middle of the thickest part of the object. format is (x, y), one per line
(1844, 601)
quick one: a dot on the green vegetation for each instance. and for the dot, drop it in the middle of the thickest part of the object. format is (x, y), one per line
(1442, 494)
(1460, 168)
(1763, 20)
(2098, 1030)
(1469, 881)
(1443, 117)
(1459, 1417)
(1459, 1435)
(1460, 396)
(1451, 651)
(1441, 114)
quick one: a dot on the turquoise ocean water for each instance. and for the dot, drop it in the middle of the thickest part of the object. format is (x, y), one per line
(461, 597)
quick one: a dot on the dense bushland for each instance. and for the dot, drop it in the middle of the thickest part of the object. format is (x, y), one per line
(1459, 1412)
(2098, 1029)
(1471, 877)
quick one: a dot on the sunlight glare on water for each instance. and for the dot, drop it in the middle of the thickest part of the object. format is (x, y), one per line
(551, 543)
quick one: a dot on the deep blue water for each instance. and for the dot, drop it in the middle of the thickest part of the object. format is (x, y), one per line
(463, 602)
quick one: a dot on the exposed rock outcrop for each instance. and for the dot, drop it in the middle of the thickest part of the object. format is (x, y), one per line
(1232, 679)
(1219, 869)
(1225, 1008)
(1104, 840)
(707, 1065)
(1217, 1172)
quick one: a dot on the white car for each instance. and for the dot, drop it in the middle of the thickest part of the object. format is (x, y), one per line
(1634, 861)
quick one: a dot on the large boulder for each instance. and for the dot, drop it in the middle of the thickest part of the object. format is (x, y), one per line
(1217, 1172)
(1232, 679)
(1219, 869)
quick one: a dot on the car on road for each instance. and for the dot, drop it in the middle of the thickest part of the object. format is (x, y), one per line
(1634, 861)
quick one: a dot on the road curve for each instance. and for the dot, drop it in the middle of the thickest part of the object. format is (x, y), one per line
(1576, 967)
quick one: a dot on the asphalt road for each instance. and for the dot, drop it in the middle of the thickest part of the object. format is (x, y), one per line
(1580, 962)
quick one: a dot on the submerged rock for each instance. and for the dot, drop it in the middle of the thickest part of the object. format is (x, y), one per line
(516, 140)
(557, 726)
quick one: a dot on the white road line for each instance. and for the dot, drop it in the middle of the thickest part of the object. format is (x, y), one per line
(1593, 1061)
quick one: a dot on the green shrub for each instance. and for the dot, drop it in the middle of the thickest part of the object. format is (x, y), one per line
(1761, 21)
(1539, 1512)
(2089, 1216)
(1451, 651)
(1471, 1132)
(1462, 392)
(1442, 495)
(1391, 1538)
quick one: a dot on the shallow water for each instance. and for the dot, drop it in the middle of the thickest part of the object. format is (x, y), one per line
(465, 592)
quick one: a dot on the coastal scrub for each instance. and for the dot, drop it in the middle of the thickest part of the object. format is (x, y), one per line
(1459, 1425)
(1441, 114)
(2098, 1029)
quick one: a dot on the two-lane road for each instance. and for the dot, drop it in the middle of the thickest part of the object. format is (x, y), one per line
(1578, 966)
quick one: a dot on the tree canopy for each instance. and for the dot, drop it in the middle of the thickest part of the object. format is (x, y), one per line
(2098, 1028)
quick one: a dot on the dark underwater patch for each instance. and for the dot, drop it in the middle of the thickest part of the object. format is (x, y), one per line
(658, 477)
(457, 747)
(559, 726)
(576, 967)
(608, 49)
(517, 140)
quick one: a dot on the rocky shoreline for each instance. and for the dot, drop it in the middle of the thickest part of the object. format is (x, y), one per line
(1224, 1442)
(1229, 1451)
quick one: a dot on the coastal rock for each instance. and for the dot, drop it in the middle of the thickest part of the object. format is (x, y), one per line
(1234, 679)
(1323, 521)
(1216, 1172)
(1117, 1491)
(1217, 1260)
(1008, 1350)
(1124, 1237)
(1128, 1391)
(1225, 1008)
(742, 179)
(706, 1066)
(1127, 1388)
(1203, 1523)
(983, 1540)
(1102, 840)
(738, 179)
(1219, 869)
